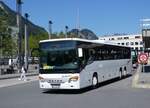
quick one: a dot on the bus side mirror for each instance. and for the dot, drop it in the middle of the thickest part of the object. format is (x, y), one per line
(80, 52)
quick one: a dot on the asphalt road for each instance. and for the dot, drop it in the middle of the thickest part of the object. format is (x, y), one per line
(113, 94)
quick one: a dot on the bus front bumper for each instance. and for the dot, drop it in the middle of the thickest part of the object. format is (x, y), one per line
(66, 85)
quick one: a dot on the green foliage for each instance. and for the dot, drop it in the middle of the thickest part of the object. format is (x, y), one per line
(34, 43)
(7, 44)
(63, 35)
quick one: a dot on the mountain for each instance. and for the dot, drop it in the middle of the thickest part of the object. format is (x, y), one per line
(84, 33)
(10, 16)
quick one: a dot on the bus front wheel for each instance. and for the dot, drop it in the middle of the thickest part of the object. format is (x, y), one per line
(95, 81)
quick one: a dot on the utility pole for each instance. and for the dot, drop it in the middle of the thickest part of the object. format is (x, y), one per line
(26, 41)
(78, 19)
(66, 30)
(50, 29)
(18, 4)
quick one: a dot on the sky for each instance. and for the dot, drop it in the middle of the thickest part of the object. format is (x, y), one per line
(103, 17)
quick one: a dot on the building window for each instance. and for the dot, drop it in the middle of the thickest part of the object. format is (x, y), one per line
(137, 37)
(132, 43)
(136, 43)
(119, 38)
(136, 48)
(126, 37)
(122, 43)
(141, 43)
(118, 43)
(112, 39)
(141, 48)
(127, 43)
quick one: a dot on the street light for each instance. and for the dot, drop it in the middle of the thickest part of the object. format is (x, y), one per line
(26, 41)
(50, 29)
(1, 45)
(20, 58)
(66, 29)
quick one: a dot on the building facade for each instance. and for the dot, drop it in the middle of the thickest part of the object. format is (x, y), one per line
(133, 41)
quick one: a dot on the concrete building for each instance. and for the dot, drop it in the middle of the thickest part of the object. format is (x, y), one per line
(146, 38)
(133, 41)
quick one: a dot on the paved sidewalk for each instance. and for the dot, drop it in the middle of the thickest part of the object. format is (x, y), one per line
(15, 81)
(144, 78)
(140, 79)
(33, 70)
(9, 76)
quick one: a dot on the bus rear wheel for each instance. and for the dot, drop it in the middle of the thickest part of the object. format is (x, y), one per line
(120, 73)
(95, 81)
(125, 72)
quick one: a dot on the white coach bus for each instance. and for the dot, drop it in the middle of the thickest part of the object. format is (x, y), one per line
(74, 63)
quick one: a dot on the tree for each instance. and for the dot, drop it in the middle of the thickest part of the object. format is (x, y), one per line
(61, 35)
(34, 43)
(5, 36)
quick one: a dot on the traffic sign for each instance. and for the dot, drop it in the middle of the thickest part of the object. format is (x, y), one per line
(143, 57)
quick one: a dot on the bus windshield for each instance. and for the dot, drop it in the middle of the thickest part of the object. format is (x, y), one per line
(55, 59)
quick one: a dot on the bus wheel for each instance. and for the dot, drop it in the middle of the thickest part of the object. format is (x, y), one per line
(95, 81)
(125, 72)
(120, 73)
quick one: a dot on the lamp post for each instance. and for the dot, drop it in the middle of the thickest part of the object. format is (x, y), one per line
(50, 29)
(26, 41)
(18, 5)
(1, 49)
(66, 29)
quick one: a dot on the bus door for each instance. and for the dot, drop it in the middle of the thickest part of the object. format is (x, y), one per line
(83, 65)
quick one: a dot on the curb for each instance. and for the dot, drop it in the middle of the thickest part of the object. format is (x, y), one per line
(142, 86)
(10, 76)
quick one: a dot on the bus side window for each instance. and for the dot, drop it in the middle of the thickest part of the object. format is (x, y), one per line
(91, 56)
(82, 60)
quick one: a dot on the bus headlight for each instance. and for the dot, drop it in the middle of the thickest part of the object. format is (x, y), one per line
(41, 78)
(74, 78)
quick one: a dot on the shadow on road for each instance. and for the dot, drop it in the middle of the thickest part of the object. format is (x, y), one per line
(74, 91)
(112, 81)
(84, 90)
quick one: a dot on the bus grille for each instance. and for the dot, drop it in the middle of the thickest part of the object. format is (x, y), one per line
(55, 81)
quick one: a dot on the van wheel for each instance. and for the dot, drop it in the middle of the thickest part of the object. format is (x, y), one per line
(95, 81)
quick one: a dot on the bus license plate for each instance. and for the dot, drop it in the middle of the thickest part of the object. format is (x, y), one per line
(55, 86)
